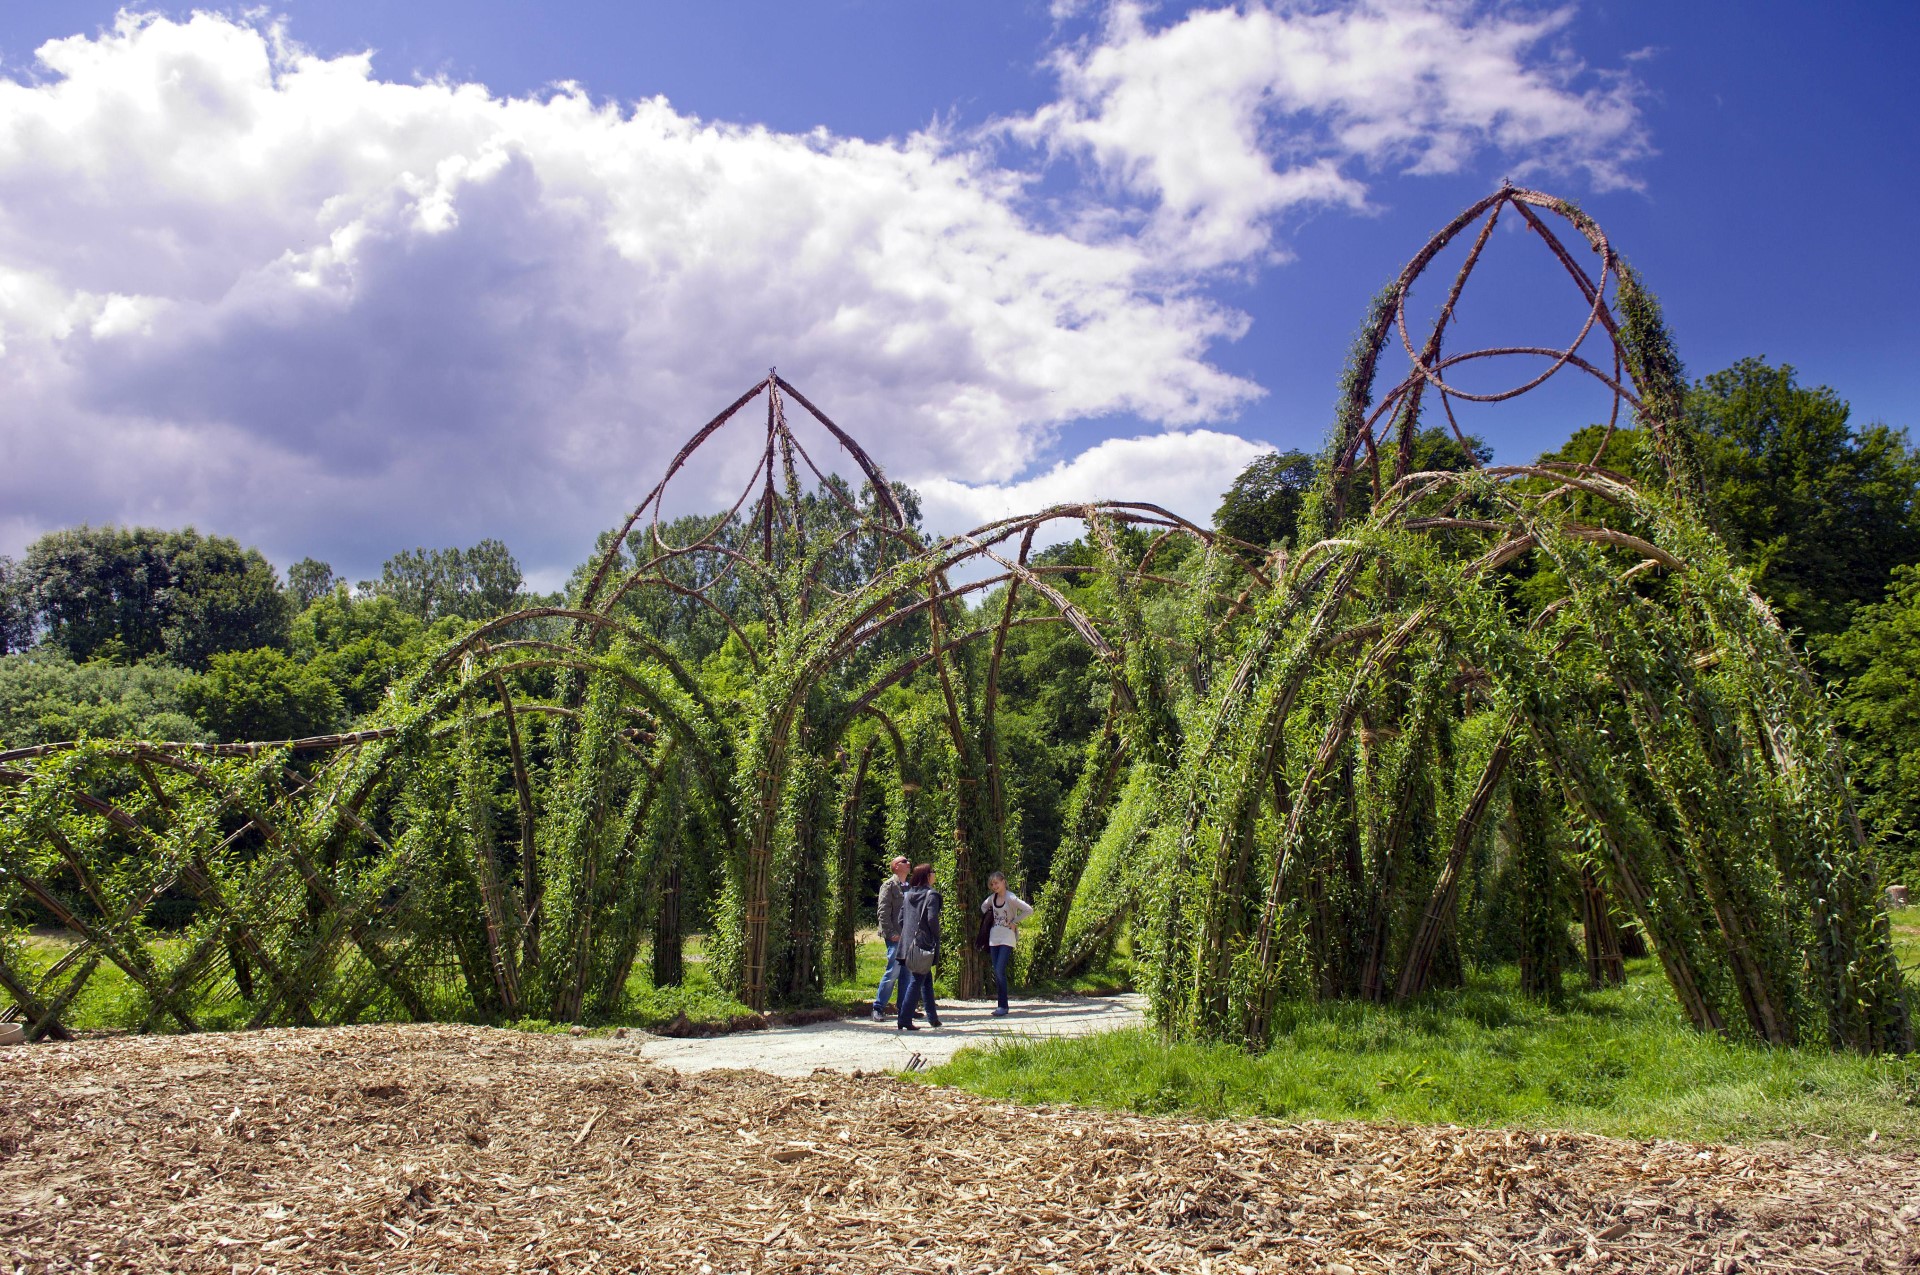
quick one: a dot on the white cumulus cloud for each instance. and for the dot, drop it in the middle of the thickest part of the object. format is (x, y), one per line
(270, 293)
(1230, 116)
(1184, 472)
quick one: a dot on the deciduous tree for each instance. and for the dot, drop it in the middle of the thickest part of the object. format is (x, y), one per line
(17, 621)
(1880, 653)
(134, 592)
(474, 583)
(309, 580)
(222, 599)
(1263, 505)
(262, 694)
(45, 697)
(361, 645)
(1822, 511)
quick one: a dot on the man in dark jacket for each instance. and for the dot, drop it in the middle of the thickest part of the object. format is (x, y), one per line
(892, 892)
(919, 947)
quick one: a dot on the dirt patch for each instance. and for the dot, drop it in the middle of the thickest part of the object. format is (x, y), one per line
(680, 1027)
(439, 1148)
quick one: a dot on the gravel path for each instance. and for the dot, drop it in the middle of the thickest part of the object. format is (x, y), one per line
(860, 1045)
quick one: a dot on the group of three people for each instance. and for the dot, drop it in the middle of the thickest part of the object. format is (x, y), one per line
(909, 913)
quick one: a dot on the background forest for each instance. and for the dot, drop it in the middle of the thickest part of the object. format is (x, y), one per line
(137, 632)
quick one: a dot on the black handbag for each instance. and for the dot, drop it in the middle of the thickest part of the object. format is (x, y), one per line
(984, 935)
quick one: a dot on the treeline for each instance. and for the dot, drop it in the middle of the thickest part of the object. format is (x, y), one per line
(133, 631)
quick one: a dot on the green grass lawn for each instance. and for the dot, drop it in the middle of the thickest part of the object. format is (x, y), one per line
(1619, 1062)
(870, 961)
(112, 1001)
(109, 999)
(1906, 940)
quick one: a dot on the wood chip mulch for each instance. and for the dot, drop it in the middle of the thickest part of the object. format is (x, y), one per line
(460, 1149)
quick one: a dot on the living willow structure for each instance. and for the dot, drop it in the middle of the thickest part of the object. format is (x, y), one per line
(1312, 752)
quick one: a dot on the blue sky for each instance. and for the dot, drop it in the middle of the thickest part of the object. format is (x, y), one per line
(1029, 254)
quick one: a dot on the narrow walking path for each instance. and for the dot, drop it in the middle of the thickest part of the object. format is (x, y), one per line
(858, 1044)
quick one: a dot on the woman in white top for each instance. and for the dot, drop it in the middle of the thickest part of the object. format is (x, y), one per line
(1005, 910)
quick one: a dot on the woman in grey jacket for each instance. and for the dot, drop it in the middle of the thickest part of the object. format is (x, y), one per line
(919, 946)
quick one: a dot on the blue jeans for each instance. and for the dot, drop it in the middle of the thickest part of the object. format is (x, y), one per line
(919, 987)
(889, 981)
(1002, 957)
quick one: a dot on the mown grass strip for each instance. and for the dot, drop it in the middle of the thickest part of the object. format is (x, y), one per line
(1620, 1062)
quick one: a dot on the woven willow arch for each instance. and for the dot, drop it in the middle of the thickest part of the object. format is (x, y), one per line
(1297, 773)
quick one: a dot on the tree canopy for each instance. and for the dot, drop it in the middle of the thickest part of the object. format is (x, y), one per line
(128, 593)
(1263, 505)
(1822, 511)
(1879, 653)
(45, 697)
(263, 694)
(309, 580)
(17, 619)
(432, 584)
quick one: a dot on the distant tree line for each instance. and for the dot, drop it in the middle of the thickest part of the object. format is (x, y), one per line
(177, 635)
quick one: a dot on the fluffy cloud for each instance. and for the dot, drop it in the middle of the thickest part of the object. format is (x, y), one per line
(1182, 471)
(1231, 116)
(268, 292)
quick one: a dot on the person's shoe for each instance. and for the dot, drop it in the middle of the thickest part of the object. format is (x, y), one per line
(933, 1022)
(879, 1017)
(1001, 1012)
(906, 1027)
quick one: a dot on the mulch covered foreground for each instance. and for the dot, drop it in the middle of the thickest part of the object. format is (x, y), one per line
(459, 1149)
